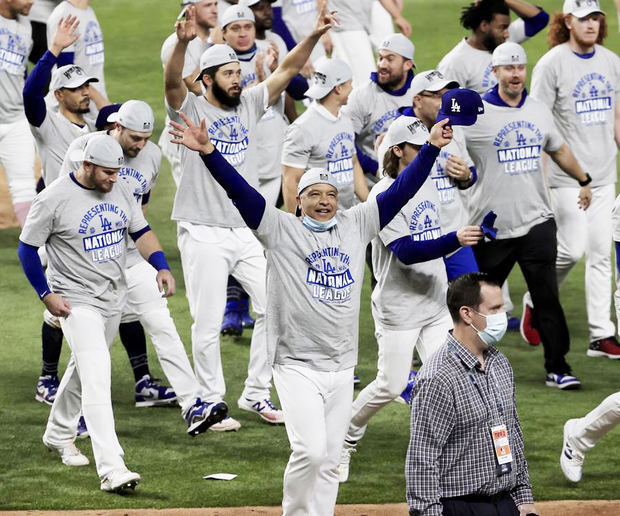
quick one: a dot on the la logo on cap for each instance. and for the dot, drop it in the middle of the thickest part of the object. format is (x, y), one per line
(455, 107)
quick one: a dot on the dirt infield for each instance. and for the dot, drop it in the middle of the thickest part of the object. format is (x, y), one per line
(556, 508)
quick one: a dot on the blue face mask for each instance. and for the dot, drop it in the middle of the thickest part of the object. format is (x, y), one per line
(316, 226)
(495, 330)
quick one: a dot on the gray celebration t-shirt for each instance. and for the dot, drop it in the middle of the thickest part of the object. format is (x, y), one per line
(139, 172)
(85, 234)
(15, 46)
(319, 139)
(505, 145)
(582, 94)
(199, 198)
(314, 283)
(408, 296)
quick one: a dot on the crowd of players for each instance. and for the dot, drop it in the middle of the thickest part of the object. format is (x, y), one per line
(368, 126)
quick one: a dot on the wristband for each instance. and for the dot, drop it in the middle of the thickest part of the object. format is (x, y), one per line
(158, 261)
(44, 293)
(587, 181)
(428, 142)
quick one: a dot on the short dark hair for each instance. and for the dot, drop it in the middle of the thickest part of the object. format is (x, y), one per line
(477, 12)
(465, 291)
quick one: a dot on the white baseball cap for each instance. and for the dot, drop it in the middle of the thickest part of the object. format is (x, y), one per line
(235, 13)
(250, 3)
(430, 80)
(406, 129)
(399, 44)
(581, 8)
(103, 150)
(216, 55)
(328, 73)
(134, 115)
(315, 176)
(70, 76)
(508, 53)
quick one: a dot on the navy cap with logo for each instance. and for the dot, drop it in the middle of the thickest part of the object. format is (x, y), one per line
(461, 106)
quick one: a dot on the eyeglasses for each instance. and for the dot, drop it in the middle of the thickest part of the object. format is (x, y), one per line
(431, 95)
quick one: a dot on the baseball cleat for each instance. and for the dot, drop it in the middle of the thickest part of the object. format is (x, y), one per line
(203, 415)
(607, 347)
(406, 395)
(150, 394)
(528, 332)
(345, 460)
(514, 323)
(246, 319)
(264, 408)
(565, 382)
(228, 424)
(46, 388)
(571, 460)
(356, 380)
(82, 431)
(119, 481)
(232, 325)
(69, 454)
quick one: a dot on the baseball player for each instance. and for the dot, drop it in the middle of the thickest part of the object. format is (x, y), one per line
(315, 271)
(299, 17)
(506, 146)
(373, 106)
(213, 239)
(84, 219)
(323, 137)
(87, 51)
(579, 80)
(205, 20)
(16, 143)
(39, 14)
(469, 62)
(408, 302)
(134, 124)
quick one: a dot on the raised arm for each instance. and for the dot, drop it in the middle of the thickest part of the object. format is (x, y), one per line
(174, 85)
(294, 61)
(247, 200)
(532, 20)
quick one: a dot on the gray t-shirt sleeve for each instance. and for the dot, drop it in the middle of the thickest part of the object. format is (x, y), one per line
(554, 138)
(269, 230)
(297, 147)
(366, 216)
(544, 82)
(39, 223)
(354, 109)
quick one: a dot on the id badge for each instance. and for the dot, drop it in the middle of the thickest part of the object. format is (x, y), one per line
(501, 445)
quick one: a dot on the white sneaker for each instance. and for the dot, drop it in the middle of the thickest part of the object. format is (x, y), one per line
(69, 454)
(264, 408)
(345, 459)
(120, 480)
(571, 460)
(228, 424)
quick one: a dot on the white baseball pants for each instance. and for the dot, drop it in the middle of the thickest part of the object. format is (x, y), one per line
(588, 232)
(146, 304)
(393, 366)
(353, 47)
(595, 424)
(317, 408)
(17, 158)
(85, 386)
(209, 255)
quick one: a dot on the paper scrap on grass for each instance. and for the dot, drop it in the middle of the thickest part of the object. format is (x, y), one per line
(220, 476)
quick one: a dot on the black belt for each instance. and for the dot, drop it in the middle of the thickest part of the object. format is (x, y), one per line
(479, 498)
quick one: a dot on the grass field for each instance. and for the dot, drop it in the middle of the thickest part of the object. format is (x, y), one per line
(156, 445)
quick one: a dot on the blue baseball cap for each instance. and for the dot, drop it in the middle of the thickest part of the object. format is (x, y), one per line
(104, 113)
(461, 106)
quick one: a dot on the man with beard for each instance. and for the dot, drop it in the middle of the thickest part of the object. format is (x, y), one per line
(579, 80)
(373, 106)
(469, 62)
(213, 238)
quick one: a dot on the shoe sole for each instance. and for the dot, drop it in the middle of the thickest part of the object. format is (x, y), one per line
(41, 399)
(218, 413)
(231, 332)
(54, 450)
(596, 354)
(569, 387)
(251, 409)
(156, 403)
(125, 486)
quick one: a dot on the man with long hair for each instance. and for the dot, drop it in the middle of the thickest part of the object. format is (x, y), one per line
(579, 80)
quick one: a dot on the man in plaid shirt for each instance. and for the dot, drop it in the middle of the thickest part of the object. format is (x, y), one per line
(466, 450)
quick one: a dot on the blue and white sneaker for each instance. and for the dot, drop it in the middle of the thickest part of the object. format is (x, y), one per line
(46, 388)
(150, 394)
(264, 408)
(204, 414)
(571, 459)
(82, 431)
(406, 396)
(356, 380)
(566, 382)
(232, 325)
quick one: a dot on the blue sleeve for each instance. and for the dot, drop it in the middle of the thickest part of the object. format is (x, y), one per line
(410, 251)
(407, 184)
(617, 245)
(474, 177)
(297, 87)
(31, 263)
(65, 58)
(536, 23)
(145, 198)
(139, 233)
(280, 28)
(247, 200)
(369, 165)
(34, 102)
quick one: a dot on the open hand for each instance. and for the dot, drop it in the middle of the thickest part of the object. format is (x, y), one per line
(193, 136)
(66, 34)
(326, 20)
(186, 29)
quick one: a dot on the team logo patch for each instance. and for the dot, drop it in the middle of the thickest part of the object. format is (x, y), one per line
(594, 96)
(519, 148)
(328, 275)
(13, 52)
(339, 157)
